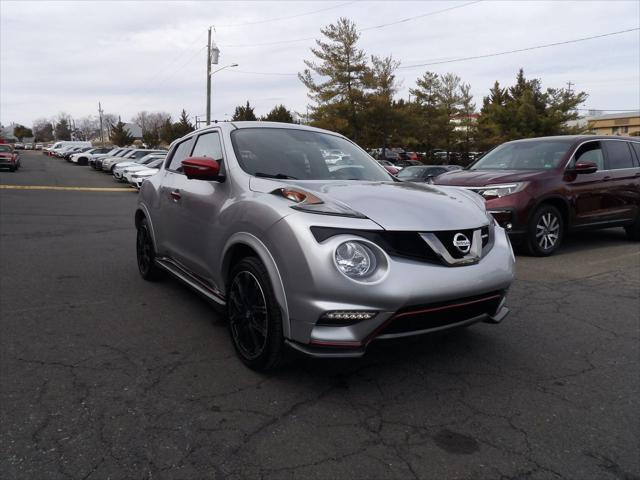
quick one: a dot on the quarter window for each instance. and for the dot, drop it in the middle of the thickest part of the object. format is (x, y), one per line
(208, 145)
(636, 147)
(590, 152)
(181, 152)
(618, 155)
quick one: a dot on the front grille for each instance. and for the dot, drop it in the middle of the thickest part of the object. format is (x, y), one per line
(424, 317)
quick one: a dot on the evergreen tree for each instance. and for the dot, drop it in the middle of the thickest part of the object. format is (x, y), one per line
(20, 132)
(279, 113)
(339, 95)
(244, 113)
(427, 99)
(166, 132)
(62, 130)
(183, 126)
(119, 135)
(467, 123)
(151, 138)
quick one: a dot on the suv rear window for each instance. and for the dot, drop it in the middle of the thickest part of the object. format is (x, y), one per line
(618, 154)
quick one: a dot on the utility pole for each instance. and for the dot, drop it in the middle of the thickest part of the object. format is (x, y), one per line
(209, 78)
(569, 85)
(100, 112)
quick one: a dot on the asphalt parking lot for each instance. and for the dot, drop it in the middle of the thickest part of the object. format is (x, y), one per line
(103, 375)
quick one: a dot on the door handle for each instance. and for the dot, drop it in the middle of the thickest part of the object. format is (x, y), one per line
(175, 195)
(606, 179)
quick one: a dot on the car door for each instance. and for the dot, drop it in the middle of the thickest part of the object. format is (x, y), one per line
(622, 196)
(196, 244)
(171, 222)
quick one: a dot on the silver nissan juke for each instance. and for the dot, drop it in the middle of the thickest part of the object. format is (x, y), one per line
(324, 253)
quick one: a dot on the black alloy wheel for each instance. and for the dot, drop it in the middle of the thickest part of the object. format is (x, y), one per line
(545, 232)
(145, 253)
(633, 230)
(255, 321)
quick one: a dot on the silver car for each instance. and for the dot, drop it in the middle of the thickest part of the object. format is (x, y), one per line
(321, 259)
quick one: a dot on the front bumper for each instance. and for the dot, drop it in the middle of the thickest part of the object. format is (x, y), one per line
(411, 298)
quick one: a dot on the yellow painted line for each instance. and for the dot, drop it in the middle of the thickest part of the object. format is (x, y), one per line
(77, 189)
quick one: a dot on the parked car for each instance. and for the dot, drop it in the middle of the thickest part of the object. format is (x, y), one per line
(407, 163)
(538, 189)
(389, 167)
(67, 154)
(424, 173)
(18, 146)
(91, 161)
(39, 146)
(97, 163)
(136, 179)
(325, 261)
(65, 143)
(108, 164)
(9, 158)
(28, 146)
(82, 158)
(121, 170)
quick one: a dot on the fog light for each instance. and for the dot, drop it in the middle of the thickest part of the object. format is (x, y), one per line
(342, 317)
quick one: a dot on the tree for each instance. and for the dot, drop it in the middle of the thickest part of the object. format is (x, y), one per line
(427, 98)
(88, 128)
(279, 113)
(151, 138)
(166, 132)
(343, 69)
(183, 126)
(43, 130)
(20, 132)
(244, 113)
(466, 124)
(119, 135)
(62, 130)
(524, 111)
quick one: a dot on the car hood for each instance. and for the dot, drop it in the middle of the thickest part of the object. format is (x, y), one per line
(400, 206)
(150, 171)
(480, 178)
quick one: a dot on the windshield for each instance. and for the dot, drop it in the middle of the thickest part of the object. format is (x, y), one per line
(525, 155)
(5, 148)
(301, 154)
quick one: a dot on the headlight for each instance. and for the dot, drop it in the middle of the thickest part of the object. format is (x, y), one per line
(501, 190)
(355, 260)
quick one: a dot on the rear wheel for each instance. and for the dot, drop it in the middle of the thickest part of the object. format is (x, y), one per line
(255, 321)
(145, 253)
(545, 231)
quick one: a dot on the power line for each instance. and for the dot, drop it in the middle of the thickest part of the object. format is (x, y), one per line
(480, 56)
(284, 18)
(384, 25)
(463, 59)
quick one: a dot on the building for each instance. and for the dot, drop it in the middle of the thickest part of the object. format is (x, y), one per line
(627, 123)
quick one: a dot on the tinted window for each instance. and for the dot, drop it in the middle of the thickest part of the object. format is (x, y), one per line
(618, 155)
(181, 152)
(636, 147)
(590, 152)
(208, 145)
(524, 155)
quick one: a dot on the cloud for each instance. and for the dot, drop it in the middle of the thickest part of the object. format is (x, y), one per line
(132, 56)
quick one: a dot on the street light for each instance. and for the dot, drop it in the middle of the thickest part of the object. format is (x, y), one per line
(231, 65)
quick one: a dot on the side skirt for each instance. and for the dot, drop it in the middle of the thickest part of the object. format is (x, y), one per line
(191, 280)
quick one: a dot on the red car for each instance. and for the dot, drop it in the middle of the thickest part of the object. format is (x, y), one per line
(540, 188)
(9, 158)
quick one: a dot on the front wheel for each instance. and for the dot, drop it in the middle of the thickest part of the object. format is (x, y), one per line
(145, 253)
(545, 231)
(255, 321)
(633, 230)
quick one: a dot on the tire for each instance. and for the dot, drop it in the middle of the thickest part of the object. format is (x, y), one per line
(145, 254)
(545, 231)
(254, 318)
(633, 230)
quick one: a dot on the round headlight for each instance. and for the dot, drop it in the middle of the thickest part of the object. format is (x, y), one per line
(355, 259)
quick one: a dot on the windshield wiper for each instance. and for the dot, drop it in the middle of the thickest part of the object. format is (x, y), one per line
(275, 175)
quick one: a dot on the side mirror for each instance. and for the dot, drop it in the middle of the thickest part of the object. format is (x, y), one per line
(201, 168)
(584, 167)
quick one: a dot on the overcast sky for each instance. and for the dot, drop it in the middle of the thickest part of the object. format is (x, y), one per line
(143, 55)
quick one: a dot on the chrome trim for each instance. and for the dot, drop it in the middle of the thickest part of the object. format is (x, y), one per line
(474, 255)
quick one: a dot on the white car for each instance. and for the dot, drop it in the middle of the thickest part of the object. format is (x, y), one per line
(108, 164)
(82, 158)
(151, 161)
(120, 167)
(136, 178)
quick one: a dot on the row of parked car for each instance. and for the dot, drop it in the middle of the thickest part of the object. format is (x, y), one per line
(127, 164)
(28, 146)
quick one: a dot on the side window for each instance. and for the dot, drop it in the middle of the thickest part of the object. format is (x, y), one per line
(618, 155)
(181, 152)
(590, 152)
(636, 147)
(208, 145)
